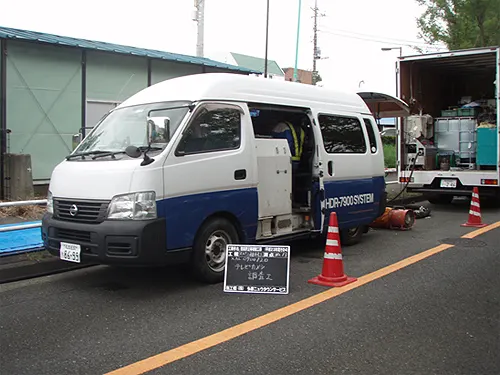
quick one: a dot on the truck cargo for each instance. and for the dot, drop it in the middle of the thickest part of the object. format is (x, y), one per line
(449, 143)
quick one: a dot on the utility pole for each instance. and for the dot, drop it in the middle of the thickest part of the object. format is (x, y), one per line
(316, 51)
(199, 18)
(267, 40)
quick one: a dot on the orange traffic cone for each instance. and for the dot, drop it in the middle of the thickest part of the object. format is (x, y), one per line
(333, 268)
(475, 219)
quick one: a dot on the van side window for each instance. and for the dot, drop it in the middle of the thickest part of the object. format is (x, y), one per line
(214, 128)
(371, 135)
(342, 134)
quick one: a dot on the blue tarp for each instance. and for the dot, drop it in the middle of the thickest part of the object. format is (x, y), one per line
(20, 241)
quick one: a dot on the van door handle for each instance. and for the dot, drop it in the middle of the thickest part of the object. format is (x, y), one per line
(330, 168)
(240, 174)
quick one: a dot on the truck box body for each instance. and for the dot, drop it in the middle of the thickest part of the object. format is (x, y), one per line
(450, 142)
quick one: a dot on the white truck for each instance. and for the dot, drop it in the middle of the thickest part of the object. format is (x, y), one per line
(449, 143)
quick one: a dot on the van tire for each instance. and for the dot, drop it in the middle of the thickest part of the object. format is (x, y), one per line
(215, 234)
(352, 236)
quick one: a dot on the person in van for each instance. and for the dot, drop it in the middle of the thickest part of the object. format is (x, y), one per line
(295, 136)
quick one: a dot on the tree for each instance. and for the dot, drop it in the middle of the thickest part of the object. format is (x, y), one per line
(316, 77)
(460, 24)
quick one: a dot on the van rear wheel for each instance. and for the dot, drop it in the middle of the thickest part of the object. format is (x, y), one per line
(352, 236)
(209, 250)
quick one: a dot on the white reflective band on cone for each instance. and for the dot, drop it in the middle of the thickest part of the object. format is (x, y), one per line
(474, 195)
(333, 229)
(333, 256)
(332, 243)
(474, 204)
(474, 213)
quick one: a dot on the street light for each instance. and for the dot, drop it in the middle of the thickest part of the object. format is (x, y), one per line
(392, 48)
(267, 39)
(297, 44)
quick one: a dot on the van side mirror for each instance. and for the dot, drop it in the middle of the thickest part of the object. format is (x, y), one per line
(76, 139)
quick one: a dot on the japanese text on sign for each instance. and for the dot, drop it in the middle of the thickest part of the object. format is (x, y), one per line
(257, 269)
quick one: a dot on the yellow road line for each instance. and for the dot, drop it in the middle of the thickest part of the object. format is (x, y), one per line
(482, 230)
(207, 342)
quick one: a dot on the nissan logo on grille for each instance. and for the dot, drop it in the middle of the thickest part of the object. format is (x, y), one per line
(73, 210)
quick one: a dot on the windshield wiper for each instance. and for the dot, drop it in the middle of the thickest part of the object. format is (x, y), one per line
(113, 153)
(146, 148)
(83, 154)
(108, 153)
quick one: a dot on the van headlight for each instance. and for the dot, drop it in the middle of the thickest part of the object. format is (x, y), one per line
(50, 203)
(135, 206)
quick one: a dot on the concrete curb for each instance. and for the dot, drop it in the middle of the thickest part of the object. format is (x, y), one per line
(41, 263)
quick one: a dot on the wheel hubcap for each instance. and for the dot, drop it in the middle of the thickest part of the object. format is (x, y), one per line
(353, 232)
(215, 250)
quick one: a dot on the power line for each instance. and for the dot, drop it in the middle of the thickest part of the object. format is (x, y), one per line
(428, 46)
(378, 37)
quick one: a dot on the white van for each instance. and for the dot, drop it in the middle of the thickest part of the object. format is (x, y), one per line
(189, 165)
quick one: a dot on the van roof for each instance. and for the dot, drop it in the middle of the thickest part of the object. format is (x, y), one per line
(236, 87)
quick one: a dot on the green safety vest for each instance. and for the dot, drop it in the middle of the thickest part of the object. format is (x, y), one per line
(298, 146)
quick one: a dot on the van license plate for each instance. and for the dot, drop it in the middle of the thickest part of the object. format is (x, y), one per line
(448, 183)
(70, 252)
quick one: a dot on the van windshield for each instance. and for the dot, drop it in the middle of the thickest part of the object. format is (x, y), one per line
(127, 126)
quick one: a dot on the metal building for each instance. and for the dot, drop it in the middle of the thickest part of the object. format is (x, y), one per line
(54, 86)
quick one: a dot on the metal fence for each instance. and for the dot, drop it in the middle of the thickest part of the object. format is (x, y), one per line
(22, 203)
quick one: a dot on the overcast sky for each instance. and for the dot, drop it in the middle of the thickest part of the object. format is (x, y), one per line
(351, 34)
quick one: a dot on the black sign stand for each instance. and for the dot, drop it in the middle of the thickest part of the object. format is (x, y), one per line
(257, 269)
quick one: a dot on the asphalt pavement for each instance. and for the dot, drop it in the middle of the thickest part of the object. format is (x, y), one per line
(438, 315)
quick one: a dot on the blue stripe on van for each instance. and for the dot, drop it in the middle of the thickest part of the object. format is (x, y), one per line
(184, 215)
(346, 198)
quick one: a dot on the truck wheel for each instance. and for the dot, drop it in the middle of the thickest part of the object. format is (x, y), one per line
(209, 250)
(440, 198)
(352, 236)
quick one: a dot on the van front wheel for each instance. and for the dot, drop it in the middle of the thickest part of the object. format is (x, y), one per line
(209, 251)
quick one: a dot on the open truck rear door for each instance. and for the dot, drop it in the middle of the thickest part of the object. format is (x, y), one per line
(385, 106)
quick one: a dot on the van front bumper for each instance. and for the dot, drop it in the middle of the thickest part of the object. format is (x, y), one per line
(135, 243)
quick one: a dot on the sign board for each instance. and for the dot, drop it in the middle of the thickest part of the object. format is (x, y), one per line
(257, 269)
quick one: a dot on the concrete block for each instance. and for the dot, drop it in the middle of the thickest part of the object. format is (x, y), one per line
(18, 177)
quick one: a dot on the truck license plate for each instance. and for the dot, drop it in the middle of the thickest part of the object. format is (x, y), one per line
(70, 252)
(448, 183)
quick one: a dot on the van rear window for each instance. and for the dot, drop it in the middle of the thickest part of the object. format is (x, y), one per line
(371, 135)
(342, 134)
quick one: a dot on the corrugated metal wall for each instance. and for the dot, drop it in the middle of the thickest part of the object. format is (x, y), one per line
(43, 102)
(44, 95)
(163, 70)
(114, 78)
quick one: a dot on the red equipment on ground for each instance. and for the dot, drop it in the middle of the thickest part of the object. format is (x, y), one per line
(395, 218)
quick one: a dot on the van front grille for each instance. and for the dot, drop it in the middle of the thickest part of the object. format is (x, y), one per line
(81, 211)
